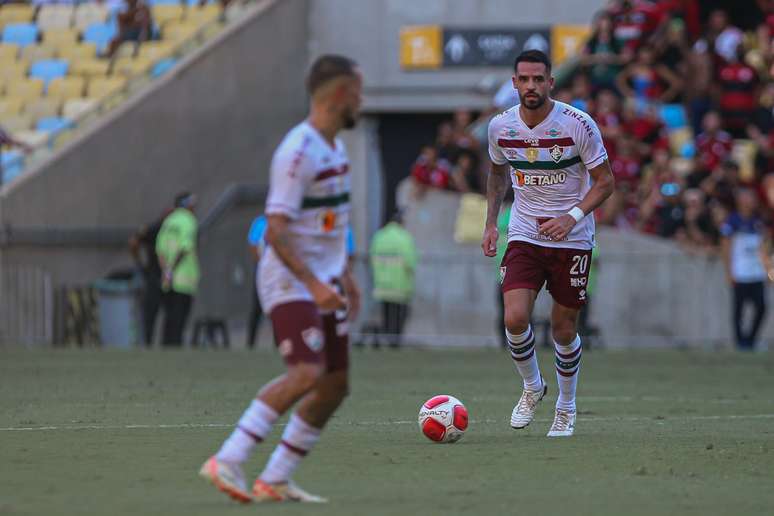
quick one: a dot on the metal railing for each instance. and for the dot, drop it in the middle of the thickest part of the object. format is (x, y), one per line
(26, 306)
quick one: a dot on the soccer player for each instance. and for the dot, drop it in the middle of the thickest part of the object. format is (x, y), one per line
(558, 168)
(305, 287)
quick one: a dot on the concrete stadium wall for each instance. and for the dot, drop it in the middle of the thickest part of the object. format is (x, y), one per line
(212, 122)
(649, 292)
(369, 32)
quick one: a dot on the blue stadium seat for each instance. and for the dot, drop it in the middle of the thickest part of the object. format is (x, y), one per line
(673, 116)
(163, 66)
(53, 124)
(12, 165)
(21, 34)
(100, 34)
(688, 150)
(49, 69)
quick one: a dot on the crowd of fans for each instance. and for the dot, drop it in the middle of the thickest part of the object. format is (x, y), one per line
(684, 101)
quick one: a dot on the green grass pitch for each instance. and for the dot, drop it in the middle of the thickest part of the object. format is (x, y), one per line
(659, 432)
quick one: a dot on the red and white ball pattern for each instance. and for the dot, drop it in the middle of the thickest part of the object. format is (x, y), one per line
(443, 419)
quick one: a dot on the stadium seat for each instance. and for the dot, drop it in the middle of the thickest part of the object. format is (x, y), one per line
(205, 14)
(55, 17)
(10, 106)
(8, 52)
(26, 89)
(49, 69)
(126, 49)
(16, 123)
(60, 38)
(681, 142)
(163, 2)
(75, 108)
(53, 125)
(16, 14)
(178, 31)
(90, 67)
(31, 138)
(165, 13)
(12, 71)
(155, 50)
(100, 34)
(75, 53)
(743, 152)
(163, 66)
(12, 165)
(32, 53)
(100, 87)
(673, 116)
(21, 34)
(66, 88)
(129, 66)
(42, 108)
(87, 14)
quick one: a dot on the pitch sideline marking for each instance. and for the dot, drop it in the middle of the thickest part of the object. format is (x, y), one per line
(634, 419)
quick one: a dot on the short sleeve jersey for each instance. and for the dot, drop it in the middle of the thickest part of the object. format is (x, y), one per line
(549, 170)
(747, 237)
(310, 184)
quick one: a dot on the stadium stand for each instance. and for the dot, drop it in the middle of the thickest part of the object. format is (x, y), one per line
(53, 71)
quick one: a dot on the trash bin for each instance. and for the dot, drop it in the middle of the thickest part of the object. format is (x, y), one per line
(119, 313)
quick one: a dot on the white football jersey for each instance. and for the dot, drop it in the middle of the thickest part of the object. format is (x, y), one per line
(309, 183)
(549, 170)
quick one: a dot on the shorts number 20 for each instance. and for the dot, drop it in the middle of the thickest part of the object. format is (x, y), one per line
(579, 264)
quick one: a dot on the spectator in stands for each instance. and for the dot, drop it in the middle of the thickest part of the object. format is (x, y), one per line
(671, 212)
(748, 266)
(463, 139)
(634, 21)
(647, 80)
(698, 232)
(581, 92)
(724, 37)
(393, 263)
(699, 96)
(142, 246)
(444, 142)
(134, 24)
(646, 128)
(430, 171)
(465, 176)
(713, 146)
(722, 184)
(738, 84)
(602, 56)
(608, 118)
(176, 247)
(627, 163)
(8, 141)
(673, 49)
(760, 129)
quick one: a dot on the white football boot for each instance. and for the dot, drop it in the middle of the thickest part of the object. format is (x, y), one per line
(524, 411)
(227, 477)
(283, 492)
(563, 425)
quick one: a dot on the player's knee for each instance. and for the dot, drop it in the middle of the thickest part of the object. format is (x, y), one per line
(516, 322)
(564, 332)
(304, 376)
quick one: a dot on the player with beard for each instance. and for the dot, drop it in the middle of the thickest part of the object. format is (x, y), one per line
(558, 168)
(306, 288)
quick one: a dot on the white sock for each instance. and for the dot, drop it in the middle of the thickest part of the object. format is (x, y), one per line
(567, 367)
(297, 440)
(252, 428)
(522, 349)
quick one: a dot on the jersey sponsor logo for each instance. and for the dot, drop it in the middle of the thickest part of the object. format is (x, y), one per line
(556, 153)
(583, 122)
(578, 282)
(286, 347)
(523, 179)
(532, 154)
(582, 295)
(313, 338)
(327, 219)
(553, 132)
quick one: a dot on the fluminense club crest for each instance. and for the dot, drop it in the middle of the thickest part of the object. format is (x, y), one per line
(556, 153)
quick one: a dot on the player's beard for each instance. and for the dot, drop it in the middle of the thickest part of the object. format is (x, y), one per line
(533, 102)
(349, 119)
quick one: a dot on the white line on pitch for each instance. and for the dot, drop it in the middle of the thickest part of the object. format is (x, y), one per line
(373, 423)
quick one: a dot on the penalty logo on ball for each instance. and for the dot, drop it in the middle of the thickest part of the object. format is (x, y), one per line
(443, 419)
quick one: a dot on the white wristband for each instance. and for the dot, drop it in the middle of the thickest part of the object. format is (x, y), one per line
(576, 213)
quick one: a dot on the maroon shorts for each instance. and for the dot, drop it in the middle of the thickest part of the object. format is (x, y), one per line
(566, 271)
(302, 334)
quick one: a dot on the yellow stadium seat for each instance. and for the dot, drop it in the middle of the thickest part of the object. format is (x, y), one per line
(75, 108)
(678, 138)
(164, 13)
(27, 89)
(42, 108)
(178, 31)
(32, 138)
(32, 53)
(79, 52)
(12, 71)
(204, 14)
(55, 17)
(155, 50)
(90, 67)
(129, 66)
(10, 106)
(60, 37)
(16, 123)
(88, 13)
(100, 87)
(8, 52)
(126, 49)
(15, 13)
(65, 88)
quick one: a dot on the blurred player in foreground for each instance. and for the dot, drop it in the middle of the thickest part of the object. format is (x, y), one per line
(303, 281)
(550, 151)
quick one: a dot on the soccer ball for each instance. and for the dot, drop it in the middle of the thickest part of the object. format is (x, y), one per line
(443, 419)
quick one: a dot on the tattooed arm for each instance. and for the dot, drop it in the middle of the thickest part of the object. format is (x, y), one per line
(278, 238)
(497, 184)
